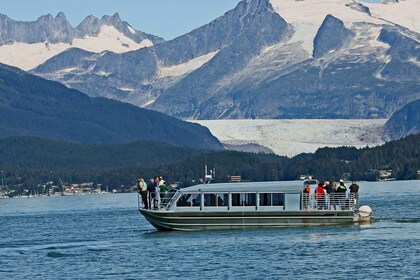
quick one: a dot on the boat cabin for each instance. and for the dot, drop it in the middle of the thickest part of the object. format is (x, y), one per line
(244, 196)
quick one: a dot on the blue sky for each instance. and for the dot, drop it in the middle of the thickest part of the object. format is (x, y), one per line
(165, 18)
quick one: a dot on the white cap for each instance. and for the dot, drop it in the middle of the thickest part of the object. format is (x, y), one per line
(341, 181)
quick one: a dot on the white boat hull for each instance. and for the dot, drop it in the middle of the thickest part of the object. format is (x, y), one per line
(206, 220)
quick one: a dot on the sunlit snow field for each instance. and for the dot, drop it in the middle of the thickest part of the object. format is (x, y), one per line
(291, 137)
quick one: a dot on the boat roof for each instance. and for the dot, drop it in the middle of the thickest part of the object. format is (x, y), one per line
(272, 186)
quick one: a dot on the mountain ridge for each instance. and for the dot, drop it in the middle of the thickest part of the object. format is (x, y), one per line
(32, 106)
(49, 26)
(27, 44)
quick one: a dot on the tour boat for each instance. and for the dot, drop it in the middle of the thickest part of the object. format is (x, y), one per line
(252, 205)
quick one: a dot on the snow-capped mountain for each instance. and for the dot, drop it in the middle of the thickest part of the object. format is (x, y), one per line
(28, 44)
(267, 59)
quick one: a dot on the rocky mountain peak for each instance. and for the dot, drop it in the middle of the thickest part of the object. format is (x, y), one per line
(331, 36)
(114, 20)
(61, 16)
(91, 25)
(47, 17)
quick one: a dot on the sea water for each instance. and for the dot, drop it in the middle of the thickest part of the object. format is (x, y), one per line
(105, 237)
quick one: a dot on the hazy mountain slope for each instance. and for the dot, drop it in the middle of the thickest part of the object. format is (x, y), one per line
(403, 122)
(266, 59)
(32, 106)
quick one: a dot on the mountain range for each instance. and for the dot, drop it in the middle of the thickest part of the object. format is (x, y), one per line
(262, 59)
(33, 106)
(265, 59)
(28, 44)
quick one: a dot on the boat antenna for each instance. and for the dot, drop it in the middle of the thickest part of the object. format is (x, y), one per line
(207, 177)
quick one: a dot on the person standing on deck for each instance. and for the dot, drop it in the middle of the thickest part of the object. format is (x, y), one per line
(341, 190)
(157, 192)
(143, 192)
(334, 196)
(320, 196)
(163, 188)
(354, 193)
(328, 190)
(306, 193)
(151, 191)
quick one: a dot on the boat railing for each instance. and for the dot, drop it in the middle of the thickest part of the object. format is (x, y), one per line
(333, 201)
(166, 199)
(169, 198)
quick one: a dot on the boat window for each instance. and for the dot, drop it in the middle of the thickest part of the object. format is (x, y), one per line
(243, 199)
(209, 199)
(188, 200)
(278, 199)
(212, 199)
(265, 199)
(271, 199)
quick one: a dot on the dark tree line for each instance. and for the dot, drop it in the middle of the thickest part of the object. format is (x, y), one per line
(186, 166)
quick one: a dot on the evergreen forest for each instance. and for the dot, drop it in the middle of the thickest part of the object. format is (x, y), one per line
(28, 162)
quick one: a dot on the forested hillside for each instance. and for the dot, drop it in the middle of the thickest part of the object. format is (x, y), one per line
(30, 153)
(116, 165)
(32, 106)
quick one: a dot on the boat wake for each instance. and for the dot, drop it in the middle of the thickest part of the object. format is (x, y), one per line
(53, 254)
(409, 220)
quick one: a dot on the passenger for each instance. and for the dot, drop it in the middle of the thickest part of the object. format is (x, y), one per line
(328, 189)
(334, 196)
(138, 185)
(151, 191)
(341, 190)
(220, 201)
(157, 193)
(143, 192)
(306, 193)
(163, 188)
(195, 202)
(161, 181)
(320, 196)
(354, 193)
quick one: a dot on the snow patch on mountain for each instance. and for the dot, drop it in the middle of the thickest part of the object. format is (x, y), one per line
(151, 101)
(103, 73)
(290, 137)
(127, 90)
(403, 12)
(28, 56)
(110, 39)
(307, 16)
(131, 29)
(187, 67)
(414, 61)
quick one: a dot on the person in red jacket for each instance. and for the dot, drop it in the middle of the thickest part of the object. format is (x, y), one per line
(320, 196)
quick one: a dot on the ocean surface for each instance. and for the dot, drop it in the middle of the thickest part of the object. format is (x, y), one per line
(104, 237)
